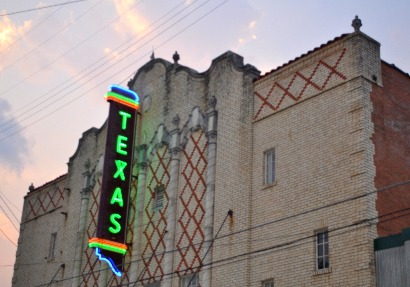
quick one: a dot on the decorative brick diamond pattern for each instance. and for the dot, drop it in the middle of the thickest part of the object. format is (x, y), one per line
(45, 202)
(302, 84)
(155, 222)
(191, 204)
(91, 266)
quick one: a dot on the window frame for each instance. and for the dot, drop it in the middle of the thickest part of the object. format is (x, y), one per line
(52, 246)
(159, 189)
(322, 246)
(184, 280)
(268, 283)
(269, 161)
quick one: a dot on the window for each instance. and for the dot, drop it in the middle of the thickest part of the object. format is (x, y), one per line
(186, 279)
(322, 250)
(269, 158)
(155, 284)
(51, 251)
(158, 198)
(268, 283)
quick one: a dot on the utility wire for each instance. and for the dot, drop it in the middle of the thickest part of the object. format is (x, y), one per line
(5, 213)
(152, 256)
(64, 54)
(272, 248)
(293, 234)
(108, 283)
(51, 282)
(10, 202)
(128, 64)
(8, 237)
(226, 259)
(289, 243)
(84, 71)
(230, 213)
(1, 197)
(52, 37)
(320, 208)
(31, 30)
(39, 8)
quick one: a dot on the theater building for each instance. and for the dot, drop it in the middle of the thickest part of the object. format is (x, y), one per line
(240, 179)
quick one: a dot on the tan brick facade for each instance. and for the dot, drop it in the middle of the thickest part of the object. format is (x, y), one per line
(319, 123)
(202, 140)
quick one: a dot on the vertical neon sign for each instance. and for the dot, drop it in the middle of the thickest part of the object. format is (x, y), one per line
(112, 217)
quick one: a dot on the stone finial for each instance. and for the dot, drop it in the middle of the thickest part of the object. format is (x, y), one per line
(176, 120)
(356, 24)
(175, 57)
(130, 83)
(152, 56)
(31, 187)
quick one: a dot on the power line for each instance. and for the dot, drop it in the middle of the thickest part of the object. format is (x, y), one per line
(1, 197)
(1, 207)
(84, 71)
(309, 211)
(51, 282)
(230, 213)
(128, 64)
(321, 207)
(31, 30)
(288, 244)
(39, 8)
(95, 69)
(355, 223)
(10, 202)
(61, 56)
(262, 251)
(8, 237)
(282, 245)
(53, 36)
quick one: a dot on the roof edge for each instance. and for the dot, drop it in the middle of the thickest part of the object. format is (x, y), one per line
(58, 178)
(396, 68)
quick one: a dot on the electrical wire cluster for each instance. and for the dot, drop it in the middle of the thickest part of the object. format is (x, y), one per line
(301, 239)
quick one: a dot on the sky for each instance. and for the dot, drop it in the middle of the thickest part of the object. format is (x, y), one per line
(57, 62)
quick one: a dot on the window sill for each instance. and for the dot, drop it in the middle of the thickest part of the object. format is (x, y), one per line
(270, 185)
(323, 271)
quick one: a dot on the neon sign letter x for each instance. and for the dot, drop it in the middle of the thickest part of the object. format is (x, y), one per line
(120, 169)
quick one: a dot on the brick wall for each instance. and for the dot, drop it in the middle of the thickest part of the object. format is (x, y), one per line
(179, 101)
(391, 117)
(316, 114)
(41, 218)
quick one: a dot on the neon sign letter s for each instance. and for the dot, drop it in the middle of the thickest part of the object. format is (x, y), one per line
(117, 226)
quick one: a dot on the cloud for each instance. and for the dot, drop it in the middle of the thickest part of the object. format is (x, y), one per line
(252, 25)
(14, 148)
(111, 55)
(10, 32)
(248, 33)
(130, 20)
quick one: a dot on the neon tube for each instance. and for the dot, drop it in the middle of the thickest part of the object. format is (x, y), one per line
(107, 245)
(109, 261)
